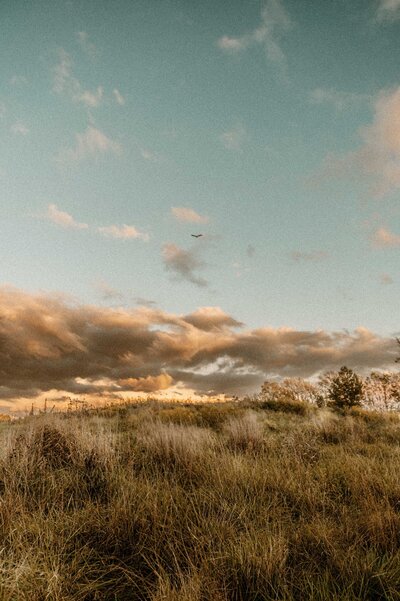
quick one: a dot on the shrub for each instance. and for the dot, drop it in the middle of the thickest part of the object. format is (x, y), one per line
(215, 415)
(286, 406)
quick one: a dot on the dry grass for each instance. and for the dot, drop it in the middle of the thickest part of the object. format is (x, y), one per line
(200, 503)
(245, 433)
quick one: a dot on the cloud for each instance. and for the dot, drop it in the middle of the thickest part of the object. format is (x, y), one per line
(145, 302)
(88, 47)
(66, 83)
(385, 279)
(119, 99)
(210, 319)
(384, 238)
(91, 143)
(388, 10)
(233, 139)
(314, 255)
(92, 99)
(49, 345)
(148, 155)
(377, 160)
(188, 215)
(19, 129)
(339, 100)
(107, 292)
(63, 219)
(120, 232)
(147, 384)
(183, 263)
(62, 74)
(274, 22)
(232, 44)
(123, 232)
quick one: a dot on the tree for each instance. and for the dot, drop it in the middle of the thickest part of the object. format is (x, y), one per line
(289, 389)
(324, 384)
(300, 390)
(382, 390)
(273, 391)
(346, 389)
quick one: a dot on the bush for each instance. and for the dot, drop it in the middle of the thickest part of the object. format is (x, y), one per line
(286, 406)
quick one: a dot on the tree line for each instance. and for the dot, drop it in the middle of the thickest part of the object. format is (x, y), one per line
(341, 390)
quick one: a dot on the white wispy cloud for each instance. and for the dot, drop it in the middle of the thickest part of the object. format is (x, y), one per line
(149, 155)
(338, 99)
(63, 219)
(91, 143)
(87, 46)
(275, 21)
(119, 99)
(384, 238)
(92, 99)
(63, 79)
(123, 232)
(65, 83)
(188, 215)
(20, 129)
(388, 10)
(234, 138)
(232, 44)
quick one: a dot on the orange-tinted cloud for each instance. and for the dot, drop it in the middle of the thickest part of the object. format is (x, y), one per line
(188, 215)
(377, 160)
(50, 344)
(384, 238)
(63, 219)
(122, 232)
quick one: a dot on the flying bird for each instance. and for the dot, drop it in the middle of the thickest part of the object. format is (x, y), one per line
(196, 235)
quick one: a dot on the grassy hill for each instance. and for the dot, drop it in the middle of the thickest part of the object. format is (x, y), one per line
(214, 502)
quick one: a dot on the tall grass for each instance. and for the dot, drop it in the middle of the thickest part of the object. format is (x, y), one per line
(200, 503)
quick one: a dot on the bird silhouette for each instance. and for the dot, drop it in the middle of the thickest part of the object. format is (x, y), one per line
(196, 235)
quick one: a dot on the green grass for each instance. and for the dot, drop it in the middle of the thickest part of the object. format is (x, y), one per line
(213, 502)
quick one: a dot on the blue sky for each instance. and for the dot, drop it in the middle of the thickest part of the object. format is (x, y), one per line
(272, 128)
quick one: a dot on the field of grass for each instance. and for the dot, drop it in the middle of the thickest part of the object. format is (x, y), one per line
(215, 502)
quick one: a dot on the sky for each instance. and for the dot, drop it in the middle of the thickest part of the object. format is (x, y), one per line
(270, 127)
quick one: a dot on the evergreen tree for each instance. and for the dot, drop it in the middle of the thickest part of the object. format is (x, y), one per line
(346, 389)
